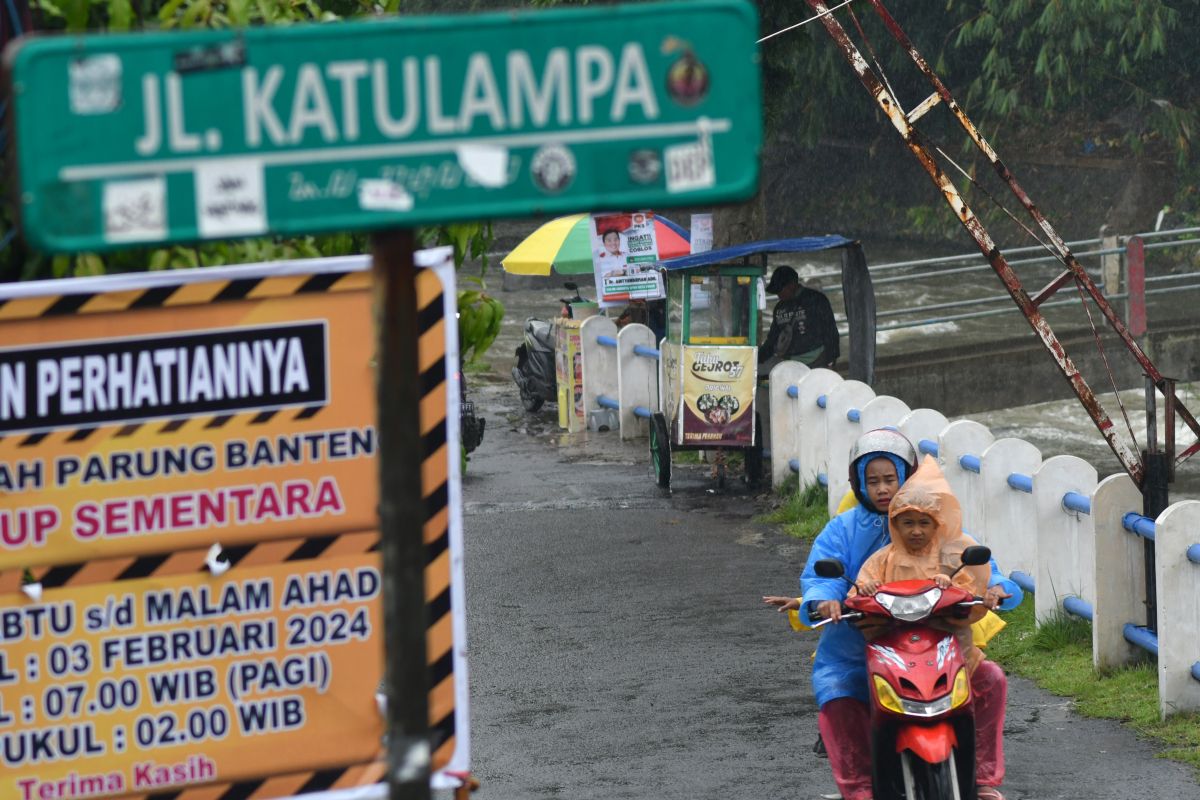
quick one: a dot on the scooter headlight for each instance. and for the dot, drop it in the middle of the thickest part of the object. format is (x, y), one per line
(909, 608)
(887, 696)
(913, 708)
(962, 689)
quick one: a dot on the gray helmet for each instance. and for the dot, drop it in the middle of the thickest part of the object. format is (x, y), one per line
(885, 442)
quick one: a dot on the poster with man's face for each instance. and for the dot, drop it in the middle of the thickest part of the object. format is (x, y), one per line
(623, 248)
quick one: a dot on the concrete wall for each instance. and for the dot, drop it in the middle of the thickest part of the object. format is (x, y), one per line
(973, 377)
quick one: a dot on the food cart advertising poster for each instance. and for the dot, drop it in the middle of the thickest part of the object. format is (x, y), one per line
(568, 367)
(136, 671)
(718, 395)
(624, 248)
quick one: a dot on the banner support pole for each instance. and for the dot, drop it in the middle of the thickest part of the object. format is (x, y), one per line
(401, 514)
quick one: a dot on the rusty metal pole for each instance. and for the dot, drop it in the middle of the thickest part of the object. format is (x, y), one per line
(401, 515)
(1135, 260)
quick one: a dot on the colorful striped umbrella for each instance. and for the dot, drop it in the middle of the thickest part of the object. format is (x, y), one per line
(564, 245)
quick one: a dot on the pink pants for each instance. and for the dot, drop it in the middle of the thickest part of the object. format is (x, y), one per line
(845, 723)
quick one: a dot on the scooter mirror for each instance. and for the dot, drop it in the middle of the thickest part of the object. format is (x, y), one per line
(572, 285)
(976, 556)
(829, 568)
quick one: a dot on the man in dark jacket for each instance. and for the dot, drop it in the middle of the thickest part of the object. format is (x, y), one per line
(802, 328)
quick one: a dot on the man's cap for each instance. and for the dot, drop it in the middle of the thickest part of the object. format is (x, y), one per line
(781, 277)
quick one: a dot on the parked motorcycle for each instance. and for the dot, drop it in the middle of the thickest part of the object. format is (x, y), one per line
(534, 373)
(922, 717)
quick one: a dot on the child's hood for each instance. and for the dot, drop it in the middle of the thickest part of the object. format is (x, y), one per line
(928, 492)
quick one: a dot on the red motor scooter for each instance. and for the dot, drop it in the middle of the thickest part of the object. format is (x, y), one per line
(922, 719)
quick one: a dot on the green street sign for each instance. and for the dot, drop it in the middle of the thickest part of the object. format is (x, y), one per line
(162, 137)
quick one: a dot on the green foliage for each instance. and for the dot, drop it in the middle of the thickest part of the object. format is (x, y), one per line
(1098, 58)
(802, 513)
(479, 318)
(1058, 657)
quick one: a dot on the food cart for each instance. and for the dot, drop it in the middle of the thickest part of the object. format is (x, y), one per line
(709, 357)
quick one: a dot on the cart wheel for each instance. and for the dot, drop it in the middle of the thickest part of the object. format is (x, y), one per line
(754, 455)
(660, 450)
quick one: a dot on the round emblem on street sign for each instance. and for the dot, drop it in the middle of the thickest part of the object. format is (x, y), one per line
(687, 80)
(553, 168)
(644, 166)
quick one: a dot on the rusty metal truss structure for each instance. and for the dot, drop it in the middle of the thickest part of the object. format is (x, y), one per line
(905, 122)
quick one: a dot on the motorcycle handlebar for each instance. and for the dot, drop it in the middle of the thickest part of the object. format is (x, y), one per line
(848, 615)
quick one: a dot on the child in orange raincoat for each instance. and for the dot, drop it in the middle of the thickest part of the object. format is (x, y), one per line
(927, 544)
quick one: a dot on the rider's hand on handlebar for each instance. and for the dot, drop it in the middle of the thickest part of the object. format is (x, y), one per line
(830, 609)
(866, 586)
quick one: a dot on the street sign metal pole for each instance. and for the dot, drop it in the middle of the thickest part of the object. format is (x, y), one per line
(401, 515)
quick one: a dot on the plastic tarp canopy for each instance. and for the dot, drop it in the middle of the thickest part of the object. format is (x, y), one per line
(803, 244)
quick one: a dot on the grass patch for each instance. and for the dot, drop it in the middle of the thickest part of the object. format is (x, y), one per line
(801, 512)
(734, 459)
(1058, 657)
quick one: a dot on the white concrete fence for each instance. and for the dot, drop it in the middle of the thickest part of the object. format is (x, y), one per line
(1075, 541)
(620, 373)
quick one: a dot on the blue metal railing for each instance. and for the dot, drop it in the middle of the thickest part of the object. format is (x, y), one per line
(822, 401)
(823, 479)
(1136, 634)
(606, 341)
(794, 465)
(643, 412)
(1136, 523)
(1078, 607)
(793, 392)
(607, 402)
(1079, 503)
(1143, 638)
(648, 352)
(854, 415)
(1022, 579)
(970, 463)
(928, 446)
(1022, 483)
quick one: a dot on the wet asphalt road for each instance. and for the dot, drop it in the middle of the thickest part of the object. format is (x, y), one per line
(619, 648)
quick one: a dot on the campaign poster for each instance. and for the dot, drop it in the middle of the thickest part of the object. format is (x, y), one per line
(624, 251)
(718, 395)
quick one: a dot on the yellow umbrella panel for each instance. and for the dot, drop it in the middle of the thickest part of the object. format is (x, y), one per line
(543, 250)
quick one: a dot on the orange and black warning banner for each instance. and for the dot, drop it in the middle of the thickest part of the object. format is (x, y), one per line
(141, 426)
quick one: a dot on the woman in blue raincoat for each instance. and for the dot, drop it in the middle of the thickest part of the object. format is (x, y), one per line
(880, 461)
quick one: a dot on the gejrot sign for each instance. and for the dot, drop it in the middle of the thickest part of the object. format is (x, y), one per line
(160, 137)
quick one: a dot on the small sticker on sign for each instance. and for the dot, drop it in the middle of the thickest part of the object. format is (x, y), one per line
(689, 167)
(230, 199)
(381, 194)
(485, 164)
(95, 84)
(135, 211)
